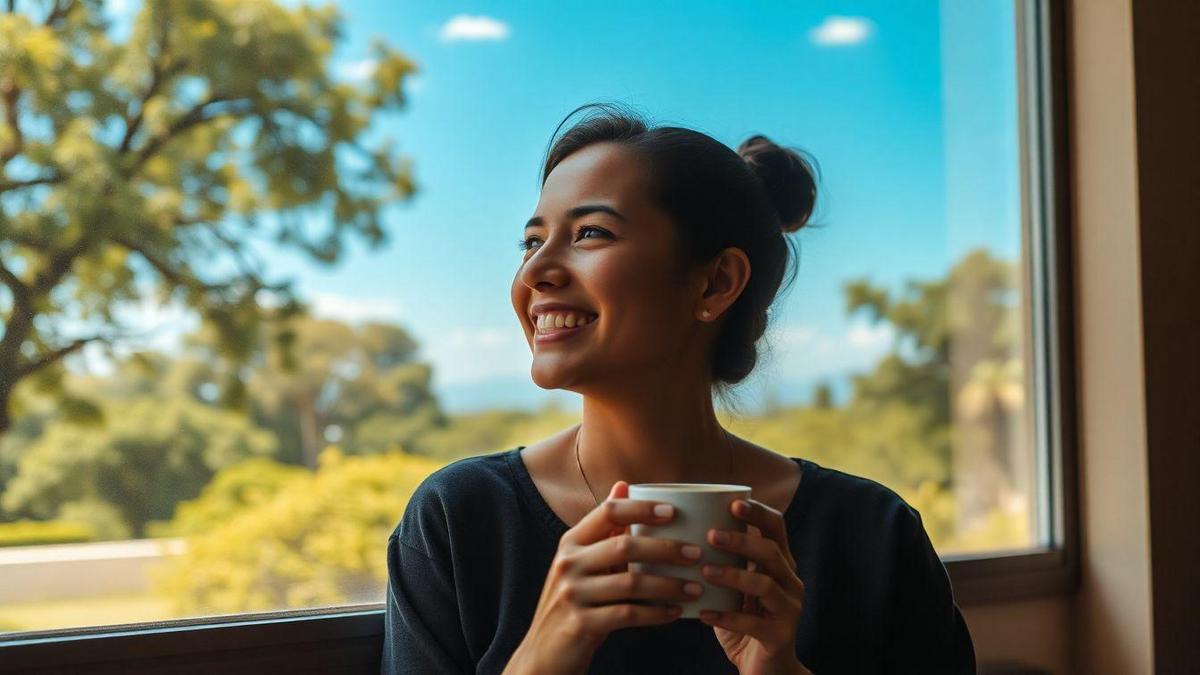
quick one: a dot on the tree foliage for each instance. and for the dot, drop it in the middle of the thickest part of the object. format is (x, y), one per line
(318, 541)
(158, 164)
(133, 469)
(318, 381)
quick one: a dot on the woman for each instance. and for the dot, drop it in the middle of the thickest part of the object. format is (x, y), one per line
(649, 266)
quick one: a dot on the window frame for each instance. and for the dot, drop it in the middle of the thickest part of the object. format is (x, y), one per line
(349, 638)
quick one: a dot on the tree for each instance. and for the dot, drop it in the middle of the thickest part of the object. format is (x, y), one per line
(957, 331)
(151, 453)
(216, 127)
(323, 381)
(318, 540)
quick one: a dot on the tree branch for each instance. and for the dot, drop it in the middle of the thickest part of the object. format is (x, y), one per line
(158, 77)
(10, 95)
(164, 267)
(59, 12)
(59, 265)
(19, 290)
(194, 117)
(6, 186)
(248, 267)
(54, 356)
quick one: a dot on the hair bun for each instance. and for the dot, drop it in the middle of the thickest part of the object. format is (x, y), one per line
(788, 177)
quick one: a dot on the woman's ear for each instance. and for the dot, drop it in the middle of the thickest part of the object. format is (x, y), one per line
(724, 279)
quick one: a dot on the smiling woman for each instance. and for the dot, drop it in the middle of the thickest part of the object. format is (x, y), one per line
(510, 561)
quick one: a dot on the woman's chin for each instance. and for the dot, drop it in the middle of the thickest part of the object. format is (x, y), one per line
(551, 376)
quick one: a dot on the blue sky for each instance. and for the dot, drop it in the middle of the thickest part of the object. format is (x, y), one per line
(909, 109)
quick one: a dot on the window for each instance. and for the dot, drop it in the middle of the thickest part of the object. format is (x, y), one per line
(181, 429)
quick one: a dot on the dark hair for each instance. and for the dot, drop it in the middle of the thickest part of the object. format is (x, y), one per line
(717, 198)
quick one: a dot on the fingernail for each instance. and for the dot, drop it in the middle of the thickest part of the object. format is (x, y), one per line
(691, 551)
(741, 507)
(712, 570)
(663, 510)
(720, 537)
(692, 588)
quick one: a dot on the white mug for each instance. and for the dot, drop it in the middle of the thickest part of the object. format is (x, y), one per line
(699, 507)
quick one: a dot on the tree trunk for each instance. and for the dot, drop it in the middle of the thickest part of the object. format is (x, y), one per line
(310, 434)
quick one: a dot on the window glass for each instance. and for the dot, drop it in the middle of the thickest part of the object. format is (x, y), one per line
(256, 262)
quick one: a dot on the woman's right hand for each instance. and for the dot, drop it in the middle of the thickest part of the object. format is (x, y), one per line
(587, 589)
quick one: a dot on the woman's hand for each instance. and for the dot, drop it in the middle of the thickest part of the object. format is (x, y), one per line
(588, 588)
(760, 639)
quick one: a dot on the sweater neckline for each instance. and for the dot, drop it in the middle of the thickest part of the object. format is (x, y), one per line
(557, 526)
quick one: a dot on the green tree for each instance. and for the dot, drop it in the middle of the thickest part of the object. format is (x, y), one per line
(151, 453)
(323, 381)
(318, 541)
(167, 157)
(957, 339)
(233, 490)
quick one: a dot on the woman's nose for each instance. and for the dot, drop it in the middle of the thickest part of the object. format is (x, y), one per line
(544, 266)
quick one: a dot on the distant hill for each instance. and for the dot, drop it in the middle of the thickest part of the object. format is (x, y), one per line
(521, 393)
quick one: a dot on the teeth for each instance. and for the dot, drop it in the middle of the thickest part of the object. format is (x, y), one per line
(547, 322)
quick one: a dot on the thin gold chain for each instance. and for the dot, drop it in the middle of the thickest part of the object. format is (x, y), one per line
(578, 433)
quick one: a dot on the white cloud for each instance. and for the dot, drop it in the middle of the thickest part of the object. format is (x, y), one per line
(353, 310)
(806, 353)
(357, 70)
(473, 28)
(467, 354)
(837, 31)
(868, 336)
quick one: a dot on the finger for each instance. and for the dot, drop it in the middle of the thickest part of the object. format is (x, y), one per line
(757, 584)
(768, 520)
(612, 513)
(764, 553)
(604, 620)
(626, 548)
(765, 630)
(603, 589)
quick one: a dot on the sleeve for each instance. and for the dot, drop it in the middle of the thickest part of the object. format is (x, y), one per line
(422, 631)
(928, 634)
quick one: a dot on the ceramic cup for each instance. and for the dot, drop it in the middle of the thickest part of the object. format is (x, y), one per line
(699, 507)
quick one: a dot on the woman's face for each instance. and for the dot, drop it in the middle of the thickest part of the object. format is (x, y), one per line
(621, 268)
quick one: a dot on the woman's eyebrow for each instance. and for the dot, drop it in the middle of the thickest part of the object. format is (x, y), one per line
(579, 212)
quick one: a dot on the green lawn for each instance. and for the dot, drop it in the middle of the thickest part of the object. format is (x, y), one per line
(94, 611)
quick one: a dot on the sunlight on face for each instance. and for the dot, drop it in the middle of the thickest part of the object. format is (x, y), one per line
(625, 270)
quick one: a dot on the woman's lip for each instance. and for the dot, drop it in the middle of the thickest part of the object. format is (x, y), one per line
(559, 333)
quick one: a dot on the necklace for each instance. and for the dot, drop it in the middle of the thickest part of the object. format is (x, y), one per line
(728, 440)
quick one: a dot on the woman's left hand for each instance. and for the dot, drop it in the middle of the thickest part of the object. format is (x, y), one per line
(760, 639)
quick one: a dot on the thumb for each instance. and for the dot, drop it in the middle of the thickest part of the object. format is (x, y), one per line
(620, 490)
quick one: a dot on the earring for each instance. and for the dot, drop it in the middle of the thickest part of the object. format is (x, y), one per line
(705, 313)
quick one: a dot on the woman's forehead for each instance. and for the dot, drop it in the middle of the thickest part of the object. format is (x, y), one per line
(604, 172)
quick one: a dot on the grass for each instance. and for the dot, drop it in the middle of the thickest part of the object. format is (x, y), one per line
(94, 611)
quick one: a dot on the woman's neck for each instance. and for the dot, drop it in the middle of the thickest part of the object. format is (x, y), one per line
(653, 435)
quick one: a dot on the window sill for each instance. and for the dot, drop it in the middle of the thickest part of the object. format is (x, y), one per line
(1002, 576)
(349, 639)
(329, 639)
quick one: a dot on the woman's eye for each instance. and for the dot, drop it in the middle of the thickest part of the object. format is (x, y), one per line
(527, 244)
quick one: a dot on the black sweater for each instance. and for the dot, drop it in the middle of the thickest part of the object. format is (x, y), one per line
(467, 563)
